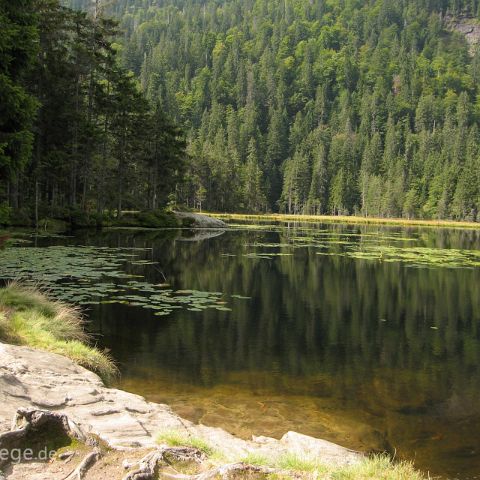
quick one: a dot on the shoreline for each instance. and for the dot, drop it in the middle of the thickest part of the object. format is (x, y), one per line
(125, 426)
(35, 379)
(45, 379)
(399, 222)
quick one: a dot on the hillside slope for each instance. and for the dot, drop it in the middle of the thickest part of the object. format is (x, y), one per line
(325, 106)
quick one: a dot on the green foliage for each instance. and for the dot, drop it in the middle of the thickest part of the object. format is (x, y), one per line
(28, 317)
(314, 107)
(149, 219)
(176, 438)
(5, 214)
(79, 218)
(17, 105)
(21, 217)
(97, 143)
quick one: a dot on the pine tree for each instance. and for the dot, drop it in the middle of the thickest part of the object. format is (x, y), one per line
(18, 47)
(254, 198)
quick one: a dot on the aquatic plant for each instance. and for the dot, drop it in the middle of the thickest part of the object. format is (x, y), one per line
(87, 275)
(335, 219)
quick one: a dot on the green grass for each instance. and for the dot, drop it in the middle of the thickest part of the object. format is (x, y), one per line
(29, 317)
(289, 465)
(378, 467)
(256, 459)
(175, 438)
(300, 464)
(347, 219)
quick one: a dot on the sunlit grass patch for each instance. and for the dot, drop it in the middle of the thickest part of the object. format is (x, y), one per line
(256, 459)
(378, 467)
(175, 438)
(298, 463)
(29, 317)
(292, 465)
(346, 219)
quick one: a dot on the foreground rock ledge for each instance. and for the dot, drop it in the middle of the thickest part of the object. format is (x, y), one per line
(34, 379)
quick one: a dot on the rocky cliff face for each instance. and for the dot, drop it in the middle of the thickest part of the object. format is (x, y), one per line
(469, 27)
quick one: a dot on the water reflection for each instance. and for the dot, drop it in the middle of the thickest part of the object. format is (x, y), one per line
(370, 354)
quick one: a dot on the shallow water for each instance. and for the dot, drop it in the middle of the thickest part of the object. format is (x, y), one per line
(367, 336)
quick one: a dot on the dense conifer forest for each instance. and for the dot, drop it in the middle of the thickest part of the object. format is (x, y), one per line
(299, 106)
(77, 135)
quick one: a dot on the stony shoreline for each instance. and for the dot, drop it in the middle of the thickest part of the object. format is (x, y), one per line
(126, 422)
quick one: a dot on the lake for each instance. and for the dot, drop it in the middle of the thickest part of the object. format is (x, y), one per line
(368, 336)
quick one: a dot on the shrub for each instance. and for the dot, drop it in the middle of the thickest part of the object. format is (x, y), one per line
(5, 214)
(149, 219)
(21, 217)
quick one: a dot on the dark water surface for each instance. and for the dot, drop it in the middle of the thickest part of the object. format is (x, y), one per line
(365, 336)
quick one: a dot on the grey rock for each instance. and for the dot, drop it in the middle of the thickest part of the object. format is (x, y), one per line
(123, 420)
(201, 221)
(469, 27)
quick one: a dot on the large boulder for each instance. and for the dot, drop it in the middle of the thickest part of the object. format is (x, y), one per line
(198, 220)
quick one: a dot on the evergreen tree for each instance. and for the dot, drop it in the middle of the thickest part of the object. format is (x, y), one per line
(254, 197)
(391, 88)
(18, 47)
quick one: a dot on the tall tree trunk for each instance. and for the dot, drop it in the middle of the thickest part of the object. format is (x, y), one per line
(91, 90)
(154, 186)
(37, 194)
(121, 164)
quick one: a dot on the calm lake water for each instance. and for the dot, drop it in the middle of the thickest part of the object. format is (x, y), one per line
(365, 336)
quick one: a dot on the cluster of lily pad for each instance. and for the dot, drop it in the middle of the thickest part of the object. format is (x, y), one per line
(374, 245)
(419, 256)
(100, 275)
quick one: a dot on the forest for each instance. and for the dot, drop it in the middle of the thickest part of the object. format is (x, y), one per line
(321, 106)
(333, 107)
(77, 136)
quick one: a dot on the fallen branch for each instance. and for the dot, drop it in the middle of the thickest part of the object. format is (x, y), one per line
(232, 470)
(147, 467)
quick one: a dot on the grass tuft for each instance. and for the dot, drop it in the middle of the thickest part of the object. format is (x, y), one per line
(256, 459)
(29, 317)
(175, 438)
(289, 465)
(300, 464)
(379, 467)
